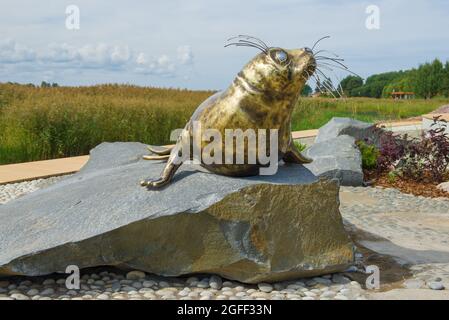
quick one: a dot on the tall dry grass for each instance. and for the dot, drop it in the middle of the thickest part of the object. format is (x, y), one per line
(46, 123)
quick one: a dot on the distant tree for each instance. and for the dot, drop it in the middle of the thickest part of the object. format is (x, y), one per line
(445, 83)
(428, 80)
(45, 84)
(350, 83)
(306, 90)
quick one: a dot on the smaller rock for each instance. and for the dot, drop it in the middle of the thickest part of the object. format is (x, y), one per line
(19, 296)
(279, 286)
(328, 294)
(436, 285)
(265, 287)
(310, 283)
(49, 282)
(444, 186)
(191, 280)
(148, 283)
(323, 281)
(338, 278)
(203, 284)
(215, 282)
(32, 292)
(47, 292)
(4, 284)
(414, 284)
(228, 284)
(135, 275)
(26, 283)
(116, 286)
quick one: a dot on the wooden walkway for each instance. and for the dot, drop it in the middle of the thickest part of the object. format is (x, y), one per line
(18, 172)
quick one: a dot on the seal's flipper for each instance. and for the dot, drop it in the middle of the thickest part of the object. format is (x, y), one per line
(161, 151)
(165, 178)
(173, 163)
(294, 156)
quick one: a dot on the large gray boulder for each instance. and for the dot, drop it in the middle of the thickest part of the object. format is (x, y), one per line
(335, 153)
(337, 158)
(263, 228)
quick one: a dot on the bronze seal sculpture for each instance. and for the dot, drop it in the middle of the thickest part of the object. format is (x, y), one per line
(262, 96)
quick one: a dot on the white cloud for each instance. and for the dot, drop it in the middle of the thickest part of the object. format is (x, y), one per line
(13, 52)
(91, 56)
(185, 55)
(161, 65)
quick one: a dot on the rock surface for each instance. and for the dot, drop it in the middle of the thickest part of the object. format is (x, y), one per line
(334, 152)
(337, 158)
(337, 126)
(264, 228)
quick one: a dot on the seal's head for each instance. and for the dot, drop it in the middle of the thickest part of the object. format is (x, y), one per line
(279, 70)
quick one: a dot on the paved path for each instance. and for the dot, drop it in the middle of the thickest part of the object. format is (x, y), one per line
(40, 169)
(407, 236)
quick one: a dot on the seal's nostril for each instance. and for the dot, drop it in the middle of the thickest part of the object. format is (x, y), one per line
(308, 50)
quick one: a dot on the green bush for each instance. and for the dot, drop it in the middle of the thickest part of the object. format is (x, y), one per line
(369, 154)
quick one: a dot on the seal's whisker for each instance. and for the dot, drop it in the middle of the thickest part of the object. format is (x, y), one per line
(338, 67)
(339, 88)
(332, 53)
(330, 86)
(240, 44)
(329, 58)
(253, 43)
(316, 83)
(321, 84)
(250, 37)
(339, 63)
(326, 37)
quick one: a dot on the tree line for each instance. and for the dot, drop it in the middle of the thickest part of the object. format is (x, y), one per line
(427, 81)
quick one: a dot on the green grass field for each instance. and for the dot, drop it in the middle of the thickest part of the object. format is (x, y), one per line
(46, 123)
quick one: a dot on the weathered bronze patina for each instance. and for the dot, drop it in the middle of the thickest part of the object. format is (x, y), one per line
(262, 96)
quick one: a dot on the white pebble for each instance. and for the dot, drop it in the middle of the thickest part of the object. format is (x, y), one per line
(265, 287)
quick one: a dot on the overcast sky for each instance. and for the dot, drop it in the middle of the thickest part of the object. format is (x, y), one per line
(176, 43)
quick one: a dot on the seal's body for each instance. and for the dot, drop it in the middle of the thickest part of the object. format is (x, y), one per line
(262, 96)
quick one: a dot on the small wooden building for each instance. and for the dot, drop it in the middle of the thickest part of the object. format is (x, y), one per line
(401, 95)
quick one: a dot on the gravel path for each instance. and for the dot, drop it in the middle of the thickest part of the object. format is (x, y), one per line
(412, 230)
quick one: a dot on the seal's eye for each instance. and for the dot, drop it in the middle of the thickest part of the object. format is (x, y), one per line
(279, 56)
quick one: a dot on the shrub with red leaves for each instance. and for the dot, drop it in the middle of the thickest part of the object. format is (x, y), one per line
(424, 158)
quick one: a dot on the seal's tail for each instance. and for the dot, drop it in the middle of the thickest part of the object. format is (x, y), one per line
(162, 153)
